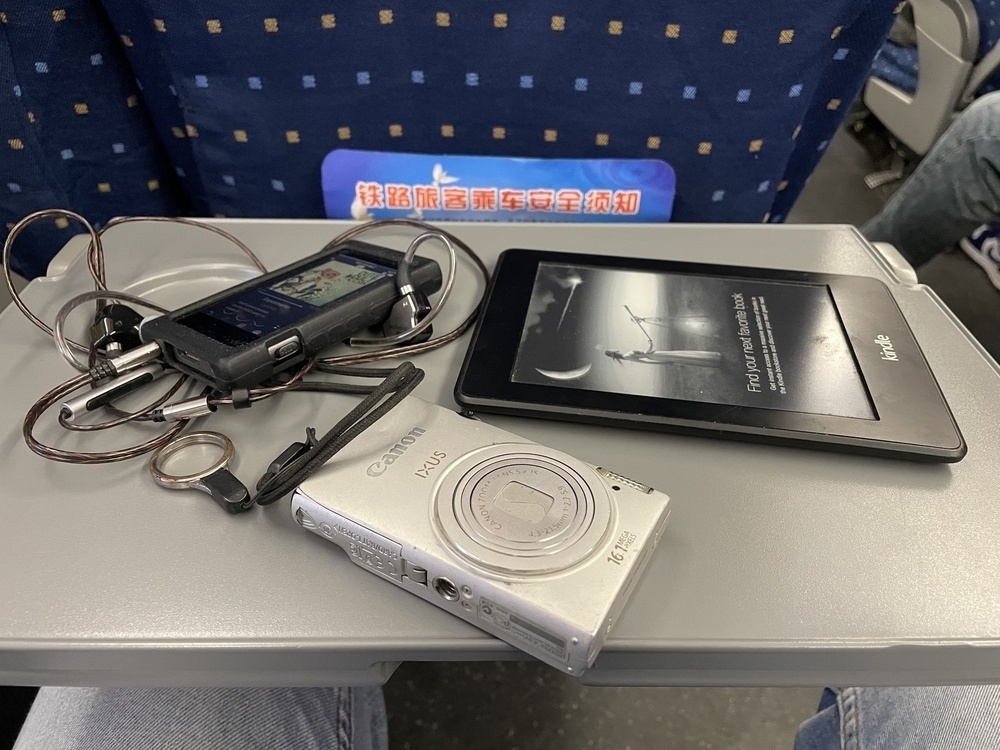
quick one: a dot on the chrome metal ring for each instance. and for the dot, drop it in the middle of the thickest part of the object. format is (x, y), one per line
(183, 481)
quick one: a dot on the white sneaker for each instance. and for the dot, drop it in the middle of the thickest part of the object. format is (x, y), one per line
(983, 246)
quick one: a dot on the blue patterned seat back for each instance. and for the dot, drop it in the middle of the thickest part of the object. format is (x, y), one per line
(989, 34)
(837, 88)
(73, 129)
(740, 98)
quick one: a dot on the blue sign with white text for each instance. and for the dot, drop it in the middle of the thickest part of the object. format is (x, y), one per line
(375, 185)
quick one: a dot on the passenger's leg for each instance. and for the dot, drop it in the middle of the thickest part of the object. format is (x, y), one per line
(929, 718)
(206, 719)
(954, 190)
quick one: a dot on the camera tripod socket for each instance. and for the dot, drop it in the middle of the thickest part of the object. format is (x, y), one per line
(447, 589)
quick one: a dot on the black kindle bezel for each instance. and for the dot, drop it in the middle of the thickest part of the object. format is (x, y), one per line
(913, 420)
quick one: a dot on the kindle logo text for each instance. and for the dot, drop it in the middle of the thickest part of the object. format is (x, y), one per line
(888, 352)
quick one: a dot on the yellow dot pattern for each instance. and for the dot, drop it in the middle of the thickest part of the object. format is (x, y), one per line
(587, 90)
(62, 222)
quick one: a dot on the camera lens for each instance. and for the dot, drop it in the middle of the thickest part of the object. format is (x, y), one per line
(446, 589)
(517, 511)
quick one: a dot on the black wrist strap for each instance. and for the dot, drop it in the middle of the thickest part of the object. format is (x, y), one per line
(300, 460)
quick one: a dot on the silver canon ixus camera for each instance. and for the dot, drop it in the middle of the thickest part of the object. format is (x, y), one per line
(525, 542)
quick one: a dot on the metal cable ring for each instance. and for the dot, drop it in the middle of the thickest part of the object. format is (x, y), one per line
(183, 481)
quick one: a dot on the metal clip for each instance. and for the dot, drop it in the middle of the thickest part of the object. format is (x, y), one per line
(216, 480)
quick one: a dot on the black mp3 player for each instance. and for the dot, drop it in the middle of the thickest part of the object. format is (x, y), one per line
(243, 336)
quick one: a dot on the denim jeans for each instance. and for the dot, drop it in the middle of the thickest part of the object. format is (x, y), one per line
(206, 719)
(949, 718)
(932, 718)
(955, 189)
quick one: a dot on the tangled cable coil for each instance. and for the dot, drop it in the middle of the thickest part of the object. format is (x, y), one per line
(402, 382)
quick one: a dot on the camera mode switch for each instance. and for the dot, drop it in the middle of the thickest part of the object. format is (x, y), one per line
(284, 349)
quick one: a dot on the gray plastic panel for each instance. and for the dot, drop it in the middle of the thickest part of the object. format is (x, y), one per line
(984, 70)
(779, 566)
(947, 42)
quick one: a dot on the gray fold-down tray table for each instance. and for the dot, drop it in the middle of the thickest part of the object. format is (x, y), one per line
(779, 566)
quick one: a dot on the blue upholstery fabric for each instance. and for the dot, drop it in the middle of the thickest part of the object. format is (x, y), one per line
(740, 98)
(989, 34)
(897, 65)
(73, 131)
(838, 87)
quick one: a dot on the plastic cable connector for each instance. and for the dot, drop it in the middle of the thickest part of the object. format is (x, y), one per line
(284, 459)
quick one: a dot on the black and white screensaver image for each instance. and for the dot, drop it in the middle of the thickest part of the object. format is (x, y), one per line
(721, 340)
